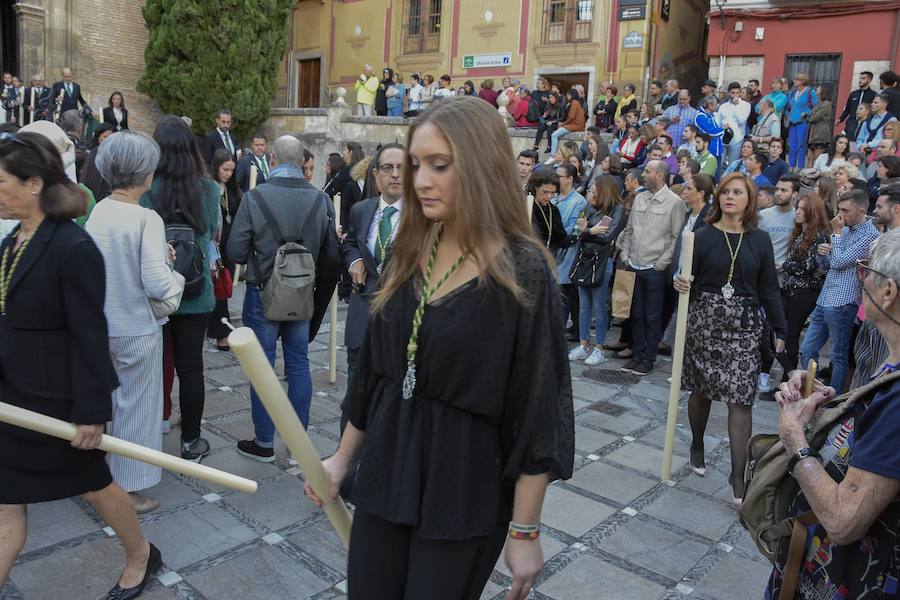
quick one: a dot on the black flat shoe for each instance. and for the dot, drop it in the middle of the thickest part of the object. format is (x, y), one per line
(225, 348)
(153, 563)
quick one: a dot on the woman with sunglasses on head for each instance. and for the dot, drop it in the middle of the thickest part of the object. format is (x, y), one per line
(54, 358)
(470, 285)
(733, 279)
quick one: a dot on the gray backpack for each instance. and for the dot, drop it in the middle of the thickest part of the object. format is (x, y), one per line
(288, 293)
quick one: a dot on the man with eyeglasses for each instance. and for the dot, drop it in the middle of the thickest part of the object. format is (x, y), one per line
(371, 232)
(835, 314)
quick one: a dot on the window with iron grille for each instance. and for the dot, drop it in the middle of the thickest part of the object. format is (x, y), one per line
(567, 21)
(422, 29)
(823, 69)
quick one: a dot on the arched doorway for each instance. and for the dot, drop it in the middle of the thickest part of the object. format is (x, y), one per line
(9, 38)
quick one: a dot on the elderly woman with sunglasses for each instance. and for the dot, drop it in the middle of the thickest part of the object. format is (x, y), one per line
(54, 358)
(852, 482)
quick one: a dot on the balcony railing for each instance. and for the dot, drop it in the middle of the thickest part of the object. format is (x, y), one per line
(567, 21)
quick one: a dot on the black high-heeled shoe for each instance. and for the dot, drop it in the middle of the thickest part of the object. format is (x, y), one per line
(153, 563)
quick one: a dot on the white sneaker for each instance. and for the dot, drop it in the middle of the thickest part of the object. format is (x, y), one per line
(763, 386)
(595, 358)
(579, 352)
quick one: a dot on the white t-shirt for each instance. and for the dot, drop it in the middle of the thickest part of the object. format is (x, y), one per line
(415, 97)
(778, 225)
(822, 165)
(735, 115)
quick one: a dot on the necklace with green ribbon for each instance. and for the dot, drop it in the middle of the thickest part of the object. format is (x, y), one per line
(409, 381)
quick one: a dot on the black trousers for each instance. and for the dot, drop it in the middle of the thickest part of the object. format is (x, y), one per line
(188, 333)
(391, 562)
(798, 305)
(570, 304)
(767, 342)
(544, 129)
(216, 329)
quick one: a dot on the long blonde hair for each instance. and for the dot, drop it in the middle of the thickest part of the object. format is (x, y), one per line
(489, 204)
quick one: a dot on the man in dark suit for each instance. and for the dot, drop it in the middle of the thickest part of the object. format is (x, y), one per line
(220, 138)
(370, 233)
(41, 109)
(863, 95)
(71, 92)
(258, 157)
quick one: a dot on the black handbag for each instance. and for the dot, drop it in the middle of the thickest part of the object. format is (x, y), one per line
(590, 265)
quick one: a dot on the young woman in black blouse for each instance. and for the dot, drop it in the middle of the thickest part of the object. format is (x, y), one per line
(733, 278)
(803, 275)
(462, 391)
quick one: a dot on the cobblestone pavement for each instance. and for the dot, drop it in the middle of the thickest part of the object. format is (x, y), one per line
(613, 531)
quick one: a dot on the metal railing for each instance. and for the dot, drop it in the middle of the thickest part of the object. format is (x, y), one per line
(567, 21)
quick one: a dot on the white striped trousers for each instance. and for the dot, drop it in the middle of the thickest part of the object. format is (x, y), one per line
(137, 406)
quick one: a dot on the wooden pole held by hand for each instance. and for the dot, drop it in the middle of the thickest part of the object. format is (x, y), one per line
(811, 368)
(33, 421)
(332, 333)
(246, 347)
(687, 253)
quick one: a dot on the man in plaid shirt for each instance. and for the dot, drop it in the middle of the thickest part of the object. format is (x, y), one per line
(835, 313)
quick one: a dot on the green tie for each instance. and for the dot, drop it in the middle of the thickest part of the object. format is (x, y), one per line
(69, 88)
(263, 166)
(385, 228)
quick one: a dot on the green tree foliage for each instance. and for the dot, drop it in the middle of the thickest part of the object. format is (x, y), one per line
(204, 55)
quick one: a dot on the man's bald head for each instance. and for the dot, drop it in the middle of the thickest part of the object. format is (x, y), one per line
(656, 174)
(287, 150)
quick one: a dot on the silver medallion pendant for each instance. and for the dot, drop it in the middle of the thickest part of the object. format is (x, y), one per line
(409, 381)
(228, 219)
(379, 268)
(727, 291)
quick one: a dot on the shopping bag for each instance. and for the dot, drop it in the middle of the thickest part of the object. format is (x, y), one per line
(622, 292)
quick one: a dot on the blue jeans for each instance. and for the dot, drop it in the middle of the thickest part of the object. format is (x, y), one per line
(733, 150)
(835, 326)
(646, 313)
(594, 301)
(554, 139)
(797, 139)
(295, 343)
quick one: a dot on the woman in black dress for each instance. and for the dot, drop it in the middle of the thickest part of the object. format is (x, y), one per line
(54, 358)
(462, 391)
(733, 278)
(229, 200)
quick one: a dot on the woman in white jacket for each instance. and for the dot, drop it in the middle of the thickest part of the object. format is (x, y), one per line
(133, 243)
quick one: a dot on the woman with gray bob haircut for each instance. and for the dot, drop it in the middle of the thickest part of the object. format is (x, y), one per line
(126, 159)
(133, 243)
(853, 486)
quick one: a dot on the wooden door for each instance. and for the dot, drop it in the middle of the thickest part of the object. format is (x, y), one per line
(308, 84)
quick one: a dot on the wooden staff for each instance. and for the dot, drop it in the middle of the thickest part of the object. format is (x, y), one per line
(529, 205)
(811, 368)
(33, 421)
(255, 364)
(332, 333)
(687, 264)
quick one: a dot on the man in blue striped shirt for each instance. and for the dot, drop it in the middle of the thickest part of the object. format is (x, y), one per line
(835, 313)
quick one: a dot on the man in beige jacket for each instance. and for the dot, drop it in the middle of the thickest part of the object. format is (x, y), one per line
(646, 246)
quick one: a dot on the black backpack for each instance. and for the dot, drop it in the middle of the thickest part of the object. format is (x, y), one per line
(534, 111)
(189, 257)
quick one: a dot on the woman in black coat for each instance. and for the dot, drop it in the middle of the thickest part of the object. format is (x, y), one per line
(116, 114)
(54, 357)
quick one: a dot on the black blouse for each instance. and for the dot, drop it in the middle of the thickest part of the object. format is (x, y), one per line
(754, 271)
(553, 237)
(493, 401)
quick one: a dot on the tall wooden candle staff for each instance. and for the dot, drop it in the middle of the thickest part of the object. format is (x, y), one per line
(678, 357)
(246, 347)
(332, 334)
(529, 205)
(33, 421)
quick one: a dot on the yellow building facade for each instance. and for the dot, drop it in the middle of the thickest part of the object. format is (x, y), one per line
(566, 41)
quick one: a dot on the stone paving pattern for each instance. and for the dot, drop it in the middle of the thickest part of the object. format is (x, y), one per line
(613, 531)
